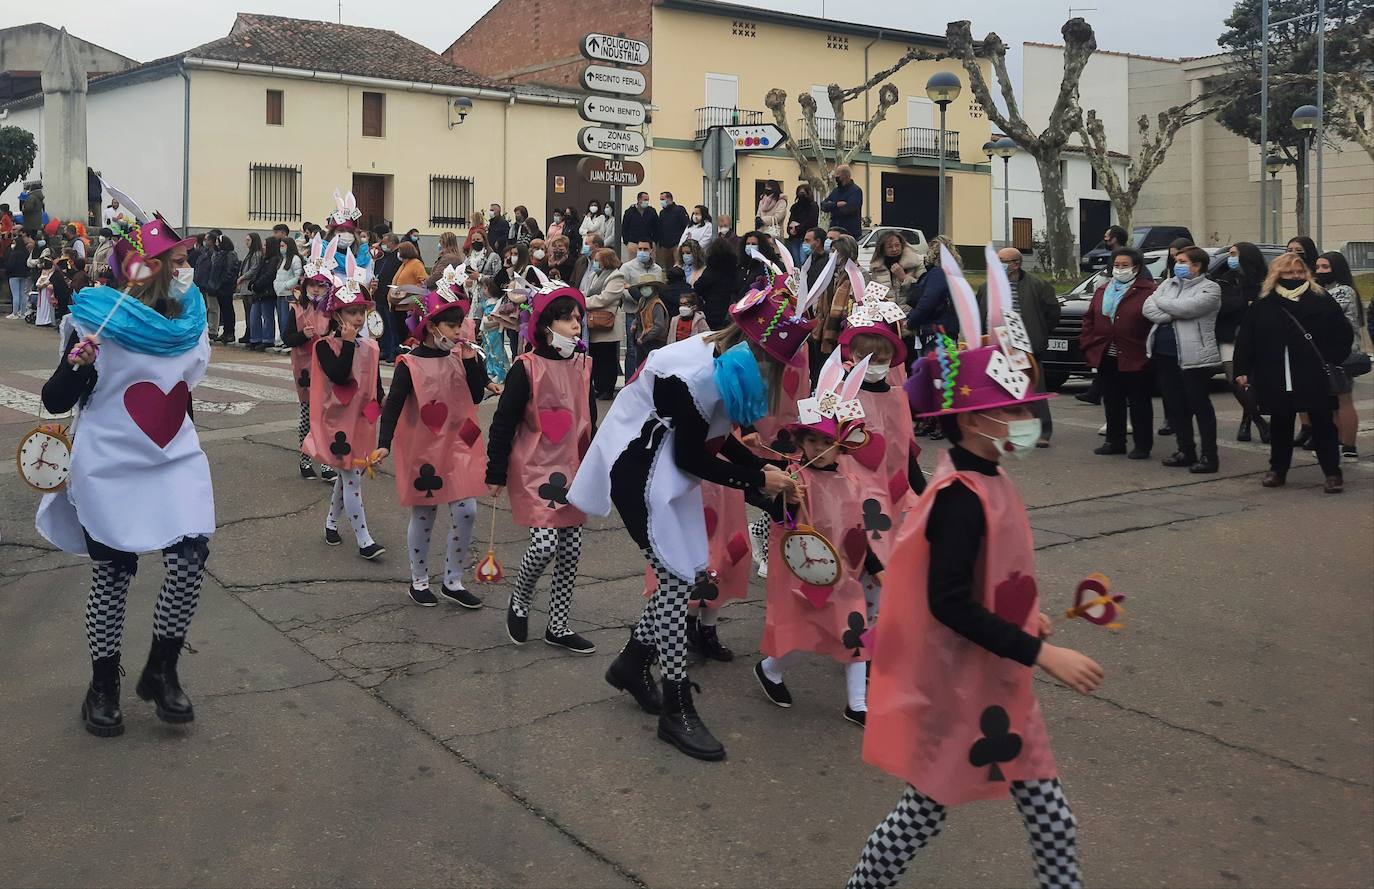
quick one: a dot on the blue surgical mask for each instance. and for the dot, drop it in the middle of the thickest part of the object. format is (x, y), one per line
(827, 245)
(643, 205)
(687, 260)
(805, 251)
(596, 266)
(643, 257)
(663, 204)
(1006, 266)
(1182, 270)
(1233, 262)
(586, 248)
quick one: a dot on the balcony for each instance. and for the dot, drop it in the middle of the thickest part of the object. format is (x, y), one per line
(719, 116)
(849, 131)
(925, 142)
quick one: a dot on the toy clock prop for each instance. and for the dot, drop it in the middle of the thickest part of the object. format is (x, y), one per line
(45, 458)
(375, 326)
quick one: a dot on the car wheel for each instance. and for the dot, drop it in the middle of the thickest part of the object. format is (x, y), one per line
(1055, 380)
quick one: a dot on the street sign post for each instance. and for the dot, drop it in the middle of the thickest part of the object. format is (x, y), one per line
(604, 140)
(610, 171)
(756, 137)
(717, 162)
(603, 109)
(602, 78)
(617, 50)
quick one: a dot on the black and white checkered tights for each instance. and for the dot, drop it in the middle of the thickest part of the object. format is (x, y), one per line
(917, 820)
(461, 515)
(664, 622)
(562, 546)
(759, 529)
(302, 431)
(176, 601)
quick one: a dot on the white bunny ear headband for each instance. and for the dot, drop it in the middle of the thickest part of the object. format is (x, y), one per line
(345, 208)
(315, 263)
(837, 393)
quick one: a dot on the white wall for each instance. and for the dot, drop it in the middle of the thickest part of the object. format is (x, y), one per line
(1025, 196)
(30, 119)
(1102, 88)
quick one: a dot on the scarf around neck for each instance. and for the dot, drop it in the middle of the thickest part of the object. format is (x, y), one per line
(137, 327)
(1294, 293)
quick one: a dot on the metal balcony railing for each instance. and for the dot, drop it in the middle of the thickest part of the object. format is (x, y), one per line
(719, 116)
(849, 132)
(925, 142)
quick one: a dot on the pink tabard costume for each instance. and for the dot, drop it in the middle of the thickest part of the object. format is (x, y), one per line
(551, 441)
(306, 316)
(879, 468)
(343, 416)
(437, 449)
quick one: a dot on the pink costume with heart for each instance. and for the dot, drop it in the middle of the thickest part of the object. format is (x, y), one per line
(438, 427)
(727, 540)
(796, 385)
(552, 439)
(793, 622)
(139, 479)
(930, 686)
(306, 316)
(879, 468)
(336, 407)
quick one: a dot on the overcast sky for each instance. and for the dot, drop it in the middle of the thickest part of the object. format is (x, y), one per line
(1161, 27)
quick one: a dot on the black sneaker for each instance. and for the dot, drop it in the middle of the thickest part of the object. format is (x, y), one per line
(858, 717)
(1086, 398)
(460, 596)
(1109, 450)
(328, 475)
(308, 473)
(331, 536)
(776, 691)
(371, 551)
(517, 627)
(1138, 454)
(1166, 429)
(1179, 460)
(423, 597)
(1350, 454)
(571, 641)
(1204, 466)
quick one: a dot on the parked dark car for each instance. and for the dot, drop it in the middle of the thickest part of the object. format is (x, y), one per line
(1143, 238)
(1063, 358)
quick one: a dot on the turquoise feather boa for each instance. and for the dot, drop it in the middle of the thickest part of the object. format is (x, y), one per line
(137, 327)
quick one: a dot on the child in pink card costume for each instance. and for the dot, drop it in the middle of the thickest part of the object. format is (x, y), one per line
(802, 617)
(345, 403)
(429, 427)
(538, 437)
(951, 707)
(305, 324)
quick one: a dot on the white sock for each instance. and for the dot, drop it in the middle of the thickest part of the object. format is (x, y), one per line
(774, 667)
(856, 685)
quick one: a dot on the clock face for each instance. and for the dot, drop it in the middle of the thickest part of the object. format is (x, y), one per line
(374, 324)
(811, 558)
(45, 461)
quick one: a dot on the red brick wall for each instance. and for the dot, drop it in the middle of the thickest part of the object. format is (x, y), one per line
(518, 34)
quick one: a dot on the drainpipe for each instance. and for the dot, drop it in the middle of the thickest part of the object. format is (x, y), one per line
(505, 150)
(868, 168)
(185, 151)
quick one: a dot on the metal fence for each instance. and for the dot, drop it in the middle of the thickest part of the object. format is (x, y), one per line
(925, 142)
(718, 116)
(274, 192)
(450, 200)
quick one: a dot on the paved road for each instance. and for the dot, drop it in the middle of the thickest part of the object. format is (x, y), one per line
(345, 737)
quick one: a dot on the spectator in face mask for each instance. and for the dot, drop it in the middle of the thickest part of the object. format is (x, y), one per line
(475, 227)
(640, 266)
(590, 244)
(597, 223)
(691, 260)
(641, 263)
(498, 229)
(450, 254)
(483, 257)
(701, 230)
(561, 259)
(555, 228)
(639, 225)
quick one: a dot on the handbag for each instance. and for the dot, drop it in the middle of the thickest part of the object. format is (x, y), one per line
(1357, 362)
(1337, 382)
(600, 319)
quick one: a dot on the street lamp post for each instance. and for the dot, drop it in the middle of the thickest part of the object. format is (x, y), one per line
(1005, 147)
(943, 87)
(1305, 120)
(1272, 165)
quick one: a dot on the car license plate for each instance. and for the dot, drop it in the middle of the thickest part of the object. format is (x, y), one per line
(1059, 345)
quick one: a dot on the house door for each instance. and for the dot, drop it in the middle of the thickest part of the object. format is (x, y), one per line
(1093, 219)
(371, 194)
(909, 200)
(722, 98)
(561, 172)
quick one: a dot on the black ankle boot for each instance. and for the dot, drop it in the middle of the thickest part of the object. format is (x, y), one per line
(630, 672)
(710, 645)
(693, 635)
(680, 725)
(1263, 426)
(159, 682)
(1243, 433)
(100, 710)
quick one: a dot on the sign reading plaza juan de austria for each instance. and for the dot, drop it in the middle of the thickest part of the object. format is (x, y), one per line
(619, 50)
(613, 80)
(610, 171)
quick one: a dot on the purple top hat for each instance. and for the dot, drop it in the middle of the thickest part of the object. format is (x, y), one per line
(773, 320)
(946, 382)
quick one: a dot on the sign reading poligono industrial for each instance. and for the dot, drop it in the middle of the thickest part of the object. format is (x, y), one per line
(619, 50)
(613, 80)
(610, 171)
(600, 140)
(603, 109)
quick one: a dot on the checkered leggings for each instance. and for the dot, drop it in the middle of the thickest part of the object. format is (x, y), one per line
(176, 602)
(302, 431)
(563, 547)
(461, 515)
(664, 622)
(760, 528)
(917, 820)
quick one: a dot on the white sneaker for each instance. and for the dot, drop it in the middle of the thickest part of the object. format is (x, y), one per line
(763, 570)
(1102, 430)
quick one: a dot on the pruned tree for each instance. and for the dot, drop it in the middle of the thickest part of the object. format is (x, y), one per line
(1153, 148)
(18, 151)
(1047, 145)
(1353, 104)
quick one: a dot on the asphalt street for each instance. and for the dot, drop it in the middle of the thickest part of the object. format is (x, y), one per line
(345, 737)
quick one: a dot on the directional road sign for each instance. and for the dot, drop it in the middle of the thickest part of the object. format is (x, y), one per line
(601, 78)
(602, 109)
(758, 137)
(620, 50)
(602, 140)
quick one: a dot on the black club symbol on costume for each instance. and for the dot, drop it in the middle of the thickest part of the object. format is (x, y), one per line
(705, 590)
(874, 520)
(304, 379)
(429, 481)
(340, 447)
(555, 490)
(854, 636)
(998, 745)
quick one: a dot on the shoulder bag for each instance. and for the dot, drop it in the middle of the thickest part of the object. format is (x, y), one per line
(1337, 381)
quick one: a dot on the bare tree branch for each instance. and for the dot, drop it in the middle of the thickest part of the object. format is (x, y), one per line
(961, 47)
(887, 97)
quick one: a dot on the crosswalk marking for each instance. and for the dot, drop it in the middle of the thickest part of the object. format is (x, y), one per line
(28, 402)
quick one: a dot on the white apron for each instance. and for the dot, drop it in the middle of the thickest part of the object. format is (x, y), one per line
(677, 523)
(139, 480)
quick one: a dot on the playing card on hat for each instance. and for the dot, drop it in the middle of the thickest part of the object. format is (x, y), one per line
(1009, 378)
(1019, 360)
(875, 290)
(808, 411)
(1016, 329)
(848, 411)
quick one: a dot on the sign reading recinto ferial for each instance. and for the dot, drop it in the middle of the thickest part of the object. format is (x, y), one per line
(613, 80)
(620, 50)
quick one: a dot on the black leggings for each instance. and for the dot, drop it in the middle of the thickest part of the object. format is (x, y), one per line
(1187, 397)
(605, 366)
(1124, 390)
(1323, 423)
(226, 313)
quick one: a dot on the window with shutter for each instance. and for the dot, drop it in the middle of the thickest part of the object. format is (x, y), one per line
(374, 114)
(274, 108)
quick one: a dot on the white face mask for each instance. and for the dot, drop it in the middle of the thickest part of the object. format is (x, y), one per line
(685, 311)
(346, 239)
(1125, 276)
(185, 277)
(563, 345)
(876, 373)
(443, 343)
(593, 209)
(1020, 439)
(539, 254)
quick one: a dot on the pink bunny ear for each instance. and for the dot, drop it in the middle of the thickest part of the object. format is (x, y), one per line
(327, 260)
(856, 280)
(316, 249)
(854, 380)
(338, 200)
(999, 290)
(785, 255)
(350, 264)
(831, 374)
(350, 202)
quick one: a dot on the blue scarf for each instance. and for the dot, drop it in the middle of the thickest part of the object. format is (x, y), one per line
(741, 385)
(1112, 298)
(139, 328)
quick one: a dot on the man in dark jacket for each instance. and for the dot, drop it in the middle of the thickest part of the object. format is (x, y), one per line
(639, 224)
(672, 222)
(1033, 298)
(394, 321)
(202, 262)
(498, 229)
(846, 203)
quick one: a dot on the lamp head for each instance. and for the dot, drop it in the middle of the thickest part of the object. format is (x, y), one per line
(943, 87)
(1006, 147)
(1305, 117)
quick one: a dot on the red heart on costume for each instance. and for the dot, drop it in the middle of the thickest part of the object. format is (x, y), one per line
(712, 520)
(855, 546)
(555, 424)
(159, 414)
(791, 379)
(898, 485)
(344, 392)
(433, 416)
(1015, 597)
(469, 432)
(371, 411)
(737, 548)
(871, 455)
(816, 595)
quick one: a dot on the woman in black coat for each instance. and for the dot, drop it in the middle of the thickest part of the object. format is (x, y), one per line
(1287, 371)
(1240, 279)
(717, 285)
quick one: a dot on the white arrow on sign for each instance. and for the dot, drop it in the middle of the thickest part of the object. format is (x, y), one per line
(600, 78)
(756, 137)
(600, 140)
(621, 50)
(602, 109)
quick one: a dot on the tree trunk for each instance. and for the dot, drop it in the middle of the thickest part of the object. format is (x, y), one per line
(1058, 234)
(1300, 194)
(1124, 214)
